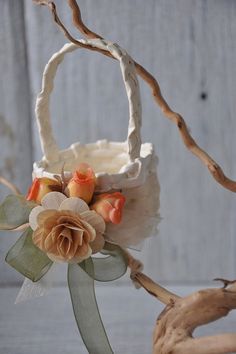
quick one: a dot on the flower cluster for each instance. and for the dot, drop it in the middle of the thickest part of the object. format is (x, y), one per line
(70, 221)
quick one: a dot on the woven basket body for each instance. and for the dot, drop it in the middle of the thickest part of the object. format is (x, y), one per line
(129, 166)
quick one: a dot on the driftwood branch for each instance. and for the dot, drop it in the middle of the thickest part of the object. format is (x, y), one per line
(218, 344)
(78, 22)
(215, 170)
(148, 284)
(177, 322)
(163, 295)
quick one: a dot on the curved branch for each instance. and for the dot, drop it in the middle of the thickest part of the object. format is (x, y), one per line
(51, 5)
(9, 185)
(78, 22)
(162, 294)
(175, 325)
(140, 279)
(217, 344)
(215, 170)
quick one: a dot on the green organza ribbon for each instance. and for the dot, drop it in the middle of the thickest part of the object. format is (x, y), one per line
(81, 285)
(28, 259)
(14, 211)
(85, 308)
(31, 262)
(111, 267)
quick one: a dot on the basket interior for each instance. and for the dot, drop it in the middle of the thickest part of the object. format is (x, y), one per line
(102, 156)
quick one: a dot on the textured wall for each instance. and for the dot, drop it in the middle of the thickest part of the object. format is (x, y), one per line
(190, 47)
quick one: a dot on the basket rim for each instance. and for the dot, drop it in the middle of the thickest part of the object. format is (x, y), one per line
(130, 174)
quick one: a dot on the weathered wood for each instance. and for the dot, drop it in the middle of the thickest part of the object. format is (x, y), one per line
(43, 325)
(182, 315)
(190, 47)
(15, 125)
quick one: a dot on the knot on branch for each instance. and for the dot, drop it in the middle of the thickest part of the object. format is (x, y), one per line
(225, 282)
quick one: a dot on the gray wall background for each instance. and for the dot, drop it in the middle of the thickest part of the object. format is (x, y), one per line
(190, 46)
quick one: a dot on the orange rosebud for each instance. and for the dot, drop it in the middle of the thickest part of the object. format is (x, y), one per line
(42, 186)
(109, 206)
(82, 184)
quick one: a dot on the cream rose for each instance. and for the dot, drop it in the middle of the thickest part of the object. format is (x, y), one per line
(66, 229)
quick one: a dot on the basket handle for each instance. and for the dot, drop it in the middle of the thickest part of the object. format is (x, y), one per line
(48, 143)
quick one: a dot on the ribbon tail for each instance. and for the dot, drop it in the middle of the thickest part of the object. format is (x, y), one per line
(87, 316)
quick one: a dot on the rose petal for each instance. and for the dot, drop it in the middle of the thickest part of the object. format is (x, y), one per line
(89, 229)
(37, 238)
(71, 227)
(83, 250)
(78, 238)
(70, 220)
(78, 259)
(115, 216)
(98, 243)
(74, 204)
(95, 220)
(65, 242)
(55, 258)
(47, 218)
(53, 200)
(49, 243)
(33, 217)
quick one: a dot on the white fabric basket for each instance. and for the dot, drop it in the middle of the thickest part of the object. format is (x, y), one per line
(129, 166)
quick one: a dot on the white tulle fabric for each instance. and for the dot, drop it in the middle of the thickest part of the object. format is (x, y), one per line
(30, 290)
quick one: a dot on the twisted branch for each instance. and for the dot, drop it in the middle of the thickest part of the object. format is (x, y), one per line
(163, 295)
(215, 170)
(218, 344)
(181, 316)
(78, 22)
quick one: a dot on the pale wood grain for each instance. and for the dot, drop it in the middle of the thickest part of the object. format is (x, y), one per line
(15, 126)
(190, 46)
(15, 135)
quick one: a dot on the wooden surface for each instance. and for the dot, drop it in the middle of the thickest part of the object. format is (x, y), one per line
(15, 120)
(46, 325)
(190, 47)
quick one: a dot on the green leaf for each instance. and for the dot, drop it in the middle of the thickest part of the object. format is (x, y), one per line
(111, 267)
(27, 258)
(87, 316)
(14, 211)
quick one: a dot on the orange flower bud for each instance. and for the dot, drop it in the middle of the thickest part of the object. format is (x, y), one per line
(82, 184)
(109, 206)
(42, 186)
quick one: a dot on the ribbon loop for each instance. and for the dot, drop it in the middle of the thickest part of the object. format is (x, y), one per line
(27, 258)
(111, 267)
